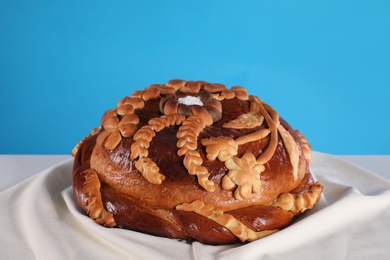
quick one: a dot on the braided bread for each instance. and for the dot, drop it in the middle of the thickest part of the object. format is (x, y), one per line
(194, 161)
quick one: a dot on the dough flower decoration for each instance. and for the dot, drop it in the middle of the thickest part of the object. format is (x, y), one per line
(119, 122)
(228, 142)
(115, 128)
(244, 175)
(221, 147)
(193, 106)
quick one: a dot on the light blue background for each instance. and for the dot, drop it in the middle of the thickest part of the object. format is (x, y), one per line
(323, 65)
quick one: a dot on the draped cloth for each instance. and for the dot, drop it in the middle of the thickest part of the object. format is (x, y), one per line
(40, 220)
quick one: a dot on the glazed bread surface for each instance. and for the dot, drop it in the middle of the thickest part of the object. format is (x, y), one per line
(195, 161)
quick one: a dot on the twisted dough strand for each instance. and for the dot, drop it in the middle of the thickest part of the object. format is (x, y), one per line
(227, 220)
(299, 203)
(188, 142)
(95, 208)
(139, 148)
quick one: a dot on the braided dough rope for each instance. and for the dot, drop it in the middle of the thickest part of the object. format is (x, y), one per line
(188, 134)
(299, 203)
(95, 207)
(142, 138)
(116, 127)
(294, 203)
(244, 173)
(193, 125)
(235, 226)
(121, 121)
(188, 142)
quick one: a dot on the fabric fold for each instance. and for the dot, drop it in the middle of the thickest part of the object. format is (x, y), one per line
(41, 220)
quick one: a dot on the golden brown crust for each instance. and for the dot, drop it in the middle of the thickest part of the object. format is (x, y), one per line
(95, 207)
(204, 162)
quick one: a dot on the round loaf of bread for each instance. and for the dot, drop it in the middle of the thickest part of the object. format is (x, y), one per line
(194, 161)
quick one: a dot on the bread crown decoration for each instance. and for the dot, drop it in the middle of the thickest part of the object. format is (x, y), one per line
(194, 105)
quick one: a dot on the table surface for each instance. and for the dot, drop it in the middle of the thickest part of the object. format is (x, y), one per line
(16, 168)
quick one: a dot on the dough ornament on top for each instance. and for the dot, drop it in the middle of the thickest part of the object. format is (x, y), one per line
(196, 161)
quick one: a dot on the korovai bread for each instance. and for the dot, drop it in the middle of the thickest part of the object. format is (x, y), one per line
(194, 161)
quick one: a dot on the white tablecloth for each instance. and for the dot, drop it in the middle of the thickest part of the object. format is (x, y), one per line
(40, 220)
